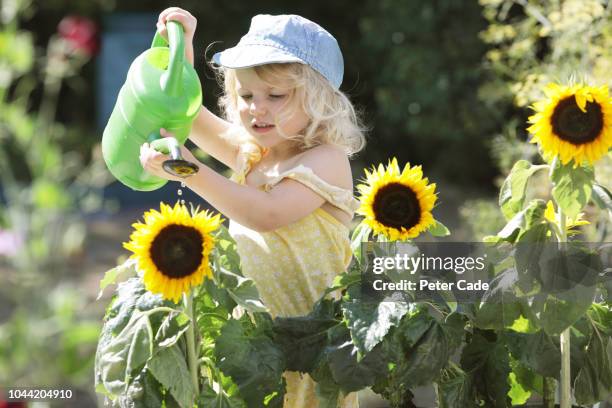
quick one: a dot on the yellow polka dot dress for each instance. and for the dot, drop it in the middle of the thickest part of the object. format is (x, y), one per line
(293, 265)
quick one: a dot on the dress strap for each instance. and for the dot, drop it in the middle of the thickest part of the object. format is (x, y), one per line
(248, 154)
(335, 195)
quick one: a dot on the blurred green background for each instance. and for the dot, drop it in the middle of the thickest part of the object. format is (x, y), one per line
(441, 83)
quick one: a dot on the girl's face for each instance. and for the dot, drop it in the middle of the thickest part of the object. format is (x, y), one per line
(261, 105)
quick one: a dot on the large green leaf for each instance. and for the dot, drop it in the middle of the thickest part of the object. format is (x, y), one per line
(242, 290)
(347, 371)
(304, 338)
(426, 359)
(328, 392)
(572, 187)
(523, 220)
(486, 359)
(594, 381)
(169, 367)
(245, 351)
(526, 377)
(454, 388)
(225, 253)
(567, 269)
(536, 351)
(512, 192)
(143, 392)
(128, 268)
(557, 312)
(369, 322)
(497, 315)
(127, 339)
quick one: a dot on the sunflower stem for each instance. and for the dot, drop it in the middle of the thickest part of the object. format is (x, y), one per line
(549, 386)
(191, 349)
(565, 384)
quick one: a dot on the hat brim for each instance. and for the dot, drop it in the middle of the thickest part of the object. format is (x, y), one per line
(247, 56)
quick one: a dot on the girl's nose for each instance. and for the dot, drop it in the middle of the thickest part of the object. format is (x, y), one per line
(257, 109)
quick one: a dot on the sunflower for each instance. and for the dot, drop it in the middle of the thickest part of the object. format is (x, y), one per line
(397, 203)
(574, 122)
(172, 249)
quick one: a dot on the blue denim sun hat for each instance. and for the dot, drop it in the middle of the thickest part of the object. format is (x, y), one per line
(286, 38)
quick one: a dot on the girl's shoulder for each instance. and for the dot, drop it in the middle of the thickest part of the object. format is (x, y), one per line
(329, 162)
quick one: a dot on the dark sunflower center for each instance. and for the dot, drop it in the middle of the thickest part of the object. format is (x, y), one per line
(396, 205)
(177, 251)
(575, 126)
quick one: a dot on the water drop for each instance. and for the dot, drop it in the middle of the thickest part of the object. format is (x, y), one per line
(179, 192)
(183, 185)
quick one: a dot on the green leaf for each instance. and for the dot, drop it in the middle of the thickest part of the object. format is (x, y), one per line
(557, 314)
(526, 377)
(602, 197)
(143, 392)
(348, 372)
(594, 381)
(536, 351)
(123, 357)
(304, 338)
(601, 318)
(439, 230)
(360, 234)
(454, 388)
(210, 399)
(247, 354)
(328, 392)
(169, 367)
(242, 290)
(529, 216)
(351, 277)
(497, 315)
(424, 353)
(171, 329)
(500, 307)
(572, 187)
(370, 322)
(225, 252)
(127, 268)
(127, 337)
(486, 360)
(512, 192)
(517, 393)
(247, 296)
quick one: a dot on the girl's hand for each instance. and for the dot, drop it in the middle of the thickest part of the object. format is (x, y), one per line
(188, 22)
(152, 160)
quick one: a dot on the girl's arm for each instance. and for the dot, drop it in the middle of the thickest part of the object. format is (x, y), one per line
(206, 132)
(259, 210)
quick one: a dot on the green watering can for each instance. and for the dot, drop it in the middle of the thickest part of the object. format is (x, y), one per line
(162, 90)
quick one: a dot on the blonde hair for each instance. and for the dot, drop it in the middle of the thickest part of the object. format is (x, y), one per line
(333, 119)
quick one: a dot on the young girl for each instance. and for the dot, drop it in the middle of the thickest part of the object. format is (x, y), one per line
(287, 134)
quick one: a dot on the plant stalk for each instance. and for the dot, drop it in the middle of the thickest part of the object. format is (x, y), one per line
(191, 349)
(565, 384)
(549, 387)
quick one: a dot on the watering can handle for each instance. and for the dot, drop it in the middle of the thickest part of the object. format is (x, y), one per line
(171, 80)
